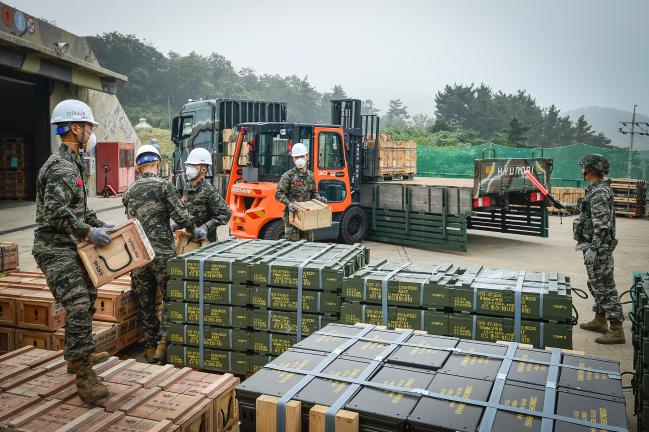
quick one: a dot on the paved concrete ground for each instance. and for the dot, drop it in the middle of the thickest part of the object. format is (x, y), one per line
(555, 253)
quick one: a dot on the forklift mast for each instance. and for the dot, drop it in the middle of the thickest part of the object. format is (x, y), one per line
(347, 113)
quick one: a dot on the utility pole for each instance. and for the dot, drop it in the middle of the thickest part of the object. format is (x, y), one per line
(644, 130)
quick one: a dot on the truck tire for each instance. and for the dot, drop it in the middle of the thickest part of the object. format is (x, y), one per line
(274, 230)
(353, 225)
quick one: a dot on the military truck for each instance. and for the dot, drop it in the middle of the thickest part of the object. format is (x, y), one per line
(208, 124)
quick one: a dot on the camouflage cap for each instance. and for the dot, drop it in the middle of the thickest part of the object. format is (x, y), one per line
(595, 162)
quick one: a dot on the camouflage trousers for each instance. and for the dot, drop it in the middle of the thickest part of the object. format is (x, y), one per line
(71, 286)
(602, 287)
(292, 233)
(149, 285)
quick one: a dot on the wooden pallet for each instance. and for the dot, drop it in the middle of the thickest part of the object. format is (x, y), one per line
(266, 413)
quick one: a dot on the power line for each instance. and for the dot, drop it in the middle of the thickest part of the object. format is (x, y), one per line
(644, 131)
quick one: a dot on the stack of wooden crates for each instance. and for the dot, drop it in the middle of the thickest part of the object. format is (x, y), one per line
(389, 159)
(30, 316)
(630, 196)
(17, 177)
(567, 195)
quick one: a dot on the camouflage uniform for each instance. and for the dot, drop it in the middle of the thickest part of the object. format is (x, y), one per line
(595, 229)
(206, 206)
(153, 200)
(296, 186)
(63, 219)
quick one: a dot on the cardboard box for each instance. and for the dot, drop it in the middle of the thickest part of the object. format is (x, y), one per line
(104, 334)
(129, 250)
(184, 242)
(8, 256)
(39, 311)
(310, 215)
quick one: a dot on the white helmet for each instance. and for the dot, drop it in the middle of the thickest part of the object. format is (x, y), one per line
(299, 149)
(72, 111)
(144, 150)
(199, 156)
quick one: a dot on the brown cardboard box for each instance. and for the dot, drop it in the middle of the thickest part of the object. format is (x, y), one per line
(104, 334)
(184, 242)
(129, 250)
(8, 256)
(37, 310)
(7, 339)
(311, 215)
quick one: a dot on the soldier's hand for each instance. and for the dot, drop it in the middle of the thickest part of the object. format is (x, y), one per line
(174, 226)
(323, 199)
(100, 236)
(292, 208)
(199, 233)
(108, 225)
(589, 257)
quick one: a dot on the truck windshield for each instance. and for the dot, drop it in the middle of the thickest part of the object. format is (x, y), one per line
(270, 154)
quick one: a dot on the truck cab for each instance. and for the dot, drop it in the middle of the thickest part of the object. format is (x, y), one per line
(262, 155)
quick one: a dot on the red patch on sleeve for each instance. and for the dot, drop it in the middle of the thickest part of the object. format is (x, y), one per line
(79, 182)
(297, 183)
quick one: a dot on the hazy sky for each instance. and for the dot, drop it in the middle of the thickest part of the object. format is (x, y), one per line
(572, 53)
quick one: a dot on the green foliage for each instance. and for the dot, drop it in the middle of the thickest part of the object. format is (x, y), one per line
(397, 114)
(424, 137)
(516, 132)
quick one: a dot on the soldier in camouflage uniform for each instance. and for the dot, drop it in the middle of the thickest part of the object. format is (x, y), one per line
(63, 219)
(202, 199)
(297, 185)
(594, 230)
(153, 200)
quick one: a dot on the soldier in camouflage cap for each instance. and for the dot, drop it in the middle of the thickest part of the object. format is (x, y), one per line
(297, 185)
(63, 219)
(594, 230)
(202, 199)
(153, 201)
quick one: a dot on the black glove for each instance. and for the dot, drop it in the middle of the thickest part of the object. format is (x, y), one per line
(100, 236)
(292, 208)
(589, 256)
(199, 233)
(174, 226)
(323, 199)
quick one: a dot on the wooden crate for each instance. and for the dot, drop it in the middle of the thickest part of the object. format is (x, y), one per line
(34, 338)
(184, 243)
(8, 306)
(7, 339)
(12, 405)
(567, 195)
(132, 372)
(39, 311)
(128, 332)
(119, 394)
(115, 303)
(8, 256)
(266, 413)
(189, 412)
(120, 422)
(219, 388)
(129, 250)
(54, 416)
(388, 158)
(104, 334)
(310, 215)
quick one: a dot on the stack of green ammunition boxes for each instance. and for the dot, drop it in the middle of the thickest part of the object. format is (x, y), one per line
(248, 293)
(640, 315)
(472, 303)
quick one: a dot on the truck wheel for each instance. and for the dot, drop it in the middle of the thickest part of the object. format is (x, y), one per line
(274, 230)
(353, 225)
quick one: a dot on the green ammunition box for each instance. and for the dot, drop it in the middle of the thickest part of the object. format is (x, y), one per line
(434, 322)
(286, 322)
(272, 343)
(214, 337)
(224, 316)
(216, 360)
(286, 299)
(492, 329)
(213, 292)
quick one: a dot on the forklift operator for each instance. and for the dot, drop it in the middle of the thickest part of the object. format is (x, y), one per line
(297, 185)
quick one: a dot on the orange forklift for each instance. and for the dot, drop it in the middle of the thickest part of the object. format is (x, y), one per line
(262, 155)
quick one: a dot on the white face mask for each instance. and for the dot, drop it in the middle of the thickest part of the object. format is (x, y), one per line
(191, 171)
(300, 162)
(92, 142)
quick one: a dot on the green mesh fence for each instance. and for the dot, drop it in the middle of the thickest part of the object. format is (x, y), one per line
(458, 161)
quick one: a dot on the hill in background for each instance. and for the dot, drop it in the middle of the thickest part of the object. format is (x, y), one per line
(607, 120)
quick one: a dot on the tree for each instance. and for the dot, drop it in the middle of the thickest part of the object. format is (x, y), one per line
(367, 107)
(422, 121)
(440, 125)
(583, 130)
(397, 114)
(516, 132)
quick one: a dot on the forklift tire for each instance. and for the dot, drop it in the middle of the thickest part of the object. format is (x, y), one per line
(353, 225)
(274, 230)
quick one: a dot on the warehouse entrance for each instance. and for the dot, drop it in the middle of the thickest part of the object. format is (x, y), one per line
(24, 132)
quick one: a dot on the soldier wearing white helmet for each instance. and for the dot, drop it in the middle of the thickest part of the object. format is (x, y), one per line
(206, 205)
(297, 185)
(153, 201)
(63, 219)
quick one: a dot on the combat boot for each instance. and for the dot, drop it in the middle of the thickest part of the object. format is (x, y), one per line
(598, 325)
(614, 336)
(149, 354)
(95, 358)
(89, 386)
(160, 355)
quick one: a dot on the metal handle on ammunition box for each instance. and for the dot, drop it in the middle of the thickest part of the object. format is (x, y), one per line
(130, 260)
